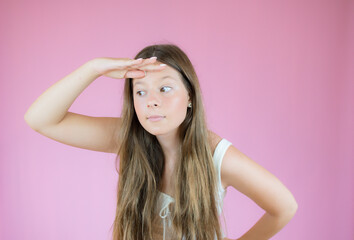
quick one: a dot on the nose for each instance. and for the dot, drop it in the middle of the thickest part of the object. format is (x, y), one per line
(153, 100)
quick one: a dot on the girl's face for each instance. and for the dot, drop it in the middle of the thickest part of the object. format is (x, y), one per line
(160, 93)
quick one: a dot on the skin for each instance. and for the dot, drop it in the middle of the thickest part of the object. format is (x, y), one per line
(50, 117)
(168, 97)
(237, 170)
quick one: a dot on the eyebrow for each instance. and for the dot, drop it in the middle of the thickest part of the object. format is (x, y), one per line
(164, 77)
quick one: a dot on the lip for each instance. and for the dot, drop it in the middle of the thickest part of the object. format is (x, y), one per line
(155, 118)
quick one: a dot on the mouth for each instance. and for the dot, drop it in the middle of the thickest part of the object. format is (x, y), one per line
(155, 118)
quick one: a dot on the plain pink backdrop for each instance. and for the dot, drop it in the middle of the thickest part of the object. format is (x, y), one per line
(277, 81)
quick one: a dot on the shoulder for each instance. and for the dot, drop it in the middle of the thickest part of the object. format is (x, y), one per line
(229, 162)
(214, 140)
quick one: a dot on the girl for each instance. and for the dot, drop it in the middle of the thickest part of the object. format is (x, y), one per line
(173, 171)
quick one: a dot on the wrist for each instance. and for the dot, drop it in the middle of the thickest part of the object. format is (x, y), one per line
(90, 67)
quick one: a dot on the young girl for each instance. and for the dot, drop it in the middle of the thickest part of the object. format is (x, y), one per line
(173, 171)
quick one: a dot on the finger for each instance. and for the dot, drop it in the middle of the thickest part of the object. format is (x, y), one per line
(141, 62)
(144, 60)
(153, 67)
(135, 74)
(137, 64)
(123, 63)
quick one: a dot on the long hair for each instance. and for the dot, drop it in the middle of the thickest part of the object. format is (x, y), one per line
(194, 213)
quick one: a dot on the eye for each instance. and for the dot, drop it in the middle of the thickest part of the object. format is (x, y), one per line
(138, 92)
(141, 93)
(165, 87)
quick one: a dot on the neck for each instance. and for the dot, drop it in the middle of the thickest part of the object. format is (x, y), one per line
(170, 145)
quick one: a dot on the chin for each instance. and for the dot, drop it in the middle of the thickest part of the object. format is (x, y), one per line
(156, 132)
(159, 131)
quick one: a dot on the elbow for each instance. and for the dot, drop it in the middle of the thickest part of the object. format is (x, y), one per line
(294, 207)
(291, 210)
(29, 123)
(290, 207)
(27, 120)
(287, 211)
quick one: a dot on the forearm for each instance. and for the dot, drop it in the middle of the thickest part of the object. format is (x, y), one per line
(52, 105)
(266, 227)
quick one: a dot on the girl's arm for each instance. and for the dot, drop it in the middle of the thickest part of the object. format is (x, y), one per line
(49, 115)
(251, 179)
(53, 104)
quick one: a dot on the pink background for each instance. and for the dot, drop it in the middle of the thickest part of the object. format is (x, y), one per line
(277, 81)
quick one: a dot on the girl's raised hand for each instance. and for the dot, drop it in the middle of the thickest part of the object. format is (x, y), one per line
(124, 67)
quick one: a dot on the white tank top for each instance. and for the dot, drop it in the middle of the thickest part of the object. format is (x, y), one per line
(163, 230)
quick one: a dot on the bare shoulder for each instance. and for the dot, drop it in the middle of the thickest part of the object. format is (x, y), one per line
(231, 159)
(214, 139)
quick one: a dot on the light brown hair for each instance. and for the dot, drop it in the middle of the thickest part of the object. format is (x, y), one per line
(141, 162)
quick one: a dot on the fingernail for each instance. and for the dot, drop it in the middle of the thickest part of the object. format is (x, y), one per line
(162, 64)
(153, 57)
(138, 59)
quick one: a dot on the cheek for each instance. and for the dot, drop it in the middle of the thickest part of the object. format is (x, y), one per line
(175, 107)
(138, 107)
(175, 104)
